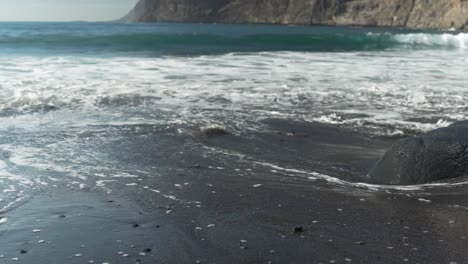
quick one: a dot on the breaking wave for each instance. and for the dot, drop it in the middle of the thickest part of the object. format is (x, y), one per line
(161, 39)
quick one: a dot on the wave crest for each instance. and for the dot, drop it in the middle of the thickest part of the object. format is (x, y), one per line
(434, 40)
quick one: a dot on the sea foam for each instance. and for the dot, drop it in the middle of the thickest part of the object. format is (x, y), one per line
(459, 40)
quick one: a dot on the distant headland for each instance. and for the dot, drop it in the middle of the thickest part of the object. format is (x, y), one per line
(416, 14)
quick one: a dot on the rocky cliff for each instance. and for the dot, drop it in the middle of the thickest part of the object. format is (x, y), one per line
(433, 14)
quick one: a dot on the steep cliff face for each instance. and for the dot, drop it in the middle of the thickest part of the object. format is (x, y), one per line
(436, 14)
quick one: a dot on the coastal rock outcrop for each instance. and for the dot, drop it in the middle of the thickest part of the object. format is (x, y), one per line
(430, 14)
(437, 155)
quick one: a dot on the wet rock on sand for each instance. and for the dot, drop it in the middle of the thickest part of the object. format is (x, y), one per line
(210, 131)
(437, 155)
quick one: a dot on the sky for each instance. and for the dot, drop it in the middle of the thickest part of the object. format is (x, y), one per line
(64, 10)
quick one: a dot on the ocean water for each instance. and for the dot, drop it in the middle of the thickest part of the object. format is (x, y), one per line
(107, 106)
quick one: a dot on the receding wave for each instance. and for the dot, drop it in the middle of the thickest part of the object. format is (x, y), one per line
(206, 43)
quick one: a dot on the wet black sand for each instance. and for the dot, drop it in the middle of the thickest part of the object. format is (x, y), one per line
(229, 208)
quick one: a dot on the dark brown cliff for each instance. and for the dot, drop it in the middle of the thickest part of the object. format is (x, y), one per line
(433, 14)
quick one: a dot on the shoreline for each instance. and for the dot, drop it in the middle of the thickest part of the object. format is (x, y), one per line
(213, 213)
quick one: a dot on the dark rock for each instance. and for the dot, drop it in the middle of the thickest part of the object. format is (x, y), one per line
(395, 13)
(23, 251)
(435, 156)
(298, 230)
(147, 250)
(211, 131)
(135, 225)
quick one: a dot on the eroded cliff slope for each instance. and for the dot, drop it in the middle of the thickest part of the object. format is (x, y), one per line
(436, 14)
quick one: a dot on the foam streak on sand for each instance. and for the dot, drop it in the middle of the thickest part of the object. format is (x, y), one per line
(363, 186)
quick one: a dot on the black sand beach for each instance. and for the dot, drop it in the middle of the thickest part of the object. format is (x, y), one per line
(230, 206)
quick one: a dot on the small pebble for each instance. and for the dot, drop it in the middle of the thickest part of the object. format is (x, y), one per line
(298, 229)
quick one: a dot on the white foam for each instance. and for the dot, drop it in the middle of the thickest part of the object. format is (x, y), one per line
(384, 92)
(406, 85)
(459, 40)
(365, 186)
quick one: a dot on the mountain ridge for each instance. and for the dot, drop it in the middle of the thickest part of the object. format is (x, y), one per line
(417, 14)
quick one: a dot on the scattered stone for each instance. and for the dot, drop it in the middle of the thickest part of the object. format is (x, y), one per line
(36, 230)
(147, 250)
(257, 185)
(23, 251)
(211, 225)
(135, 225)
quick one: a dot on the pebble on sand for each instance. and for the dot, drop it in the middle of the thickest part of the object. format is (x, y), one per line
(298, 229)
